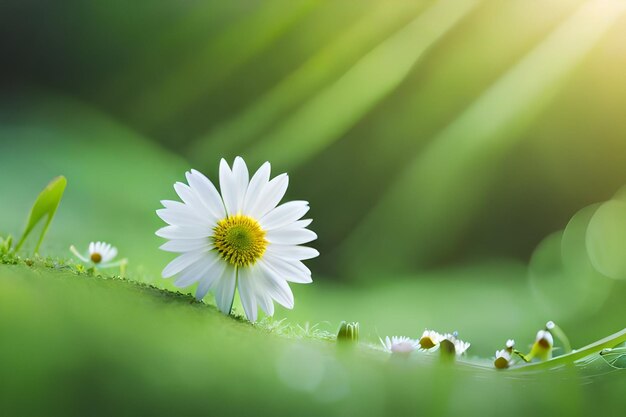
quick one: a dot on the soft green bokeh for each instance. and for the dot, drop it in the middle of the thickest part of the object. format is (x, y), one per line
(460, 158)
(606, 239)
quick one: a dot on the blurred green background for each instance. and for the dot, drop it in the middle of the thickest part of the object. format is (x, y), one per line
(438, 142)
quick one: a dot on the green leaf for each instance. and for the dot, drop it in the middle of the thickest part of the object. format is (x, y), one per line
(45, 206)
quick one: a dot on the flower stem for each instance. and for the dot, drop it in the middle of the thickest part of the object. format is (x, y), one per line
(608, 342)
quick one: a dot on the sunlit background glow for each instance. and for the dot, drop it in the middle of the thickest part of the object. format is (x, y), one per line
(462, 158)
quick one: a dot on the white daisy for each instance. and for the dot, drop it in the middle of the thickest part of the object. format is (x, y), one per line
(430, 339)
(399, 344)
(542, 348)
(544, 339)
(240, 238)
(460, 346)
(502, 359)
(99, 254)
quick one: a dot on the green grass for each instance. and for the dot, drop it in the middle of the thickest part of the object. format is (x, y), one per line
(90, 344)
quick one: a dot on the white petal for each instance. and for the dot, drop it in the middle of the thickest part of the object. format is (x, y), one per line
(184, 209)
(109, 254)
(225, 289)
(78, 255)
(247, 292)
(184, 232)
(283, 215)
(292, 252)
(186, 245)
(294, 226)
(177, 217)
(271, 195)
(190, 198)
(290, 237)
(196, 271)
(171, 204)
(290, 271)
(210, 279)
(301, 224)
(255, 188)
(265, 302)
(207, 193)
(182, 262)
(275, 286)
(103, 251)
(241, 178)
(92, 247)
(228, 188)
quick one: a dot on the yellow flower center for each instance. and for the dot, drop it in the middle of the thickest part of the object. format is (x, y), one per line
(239, 240)
(426, 342)
(501, 363)
(96, 258)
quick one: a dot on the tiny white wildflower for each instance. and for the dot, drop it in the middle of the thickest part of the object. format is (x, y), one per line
(460, 346)
(542, 348)
(545, 339)
(99, 254)
(399, 344)
(502, 359)
(430, 339)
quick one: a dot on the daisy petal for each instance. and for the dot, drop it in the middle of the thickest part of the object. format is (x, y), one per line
(255, 188)
(273, 192)
(266, 303)
(109, 254)
(176, 217)
(290, 237)
(190, 198)
(301, 224)
(225, 289)
(209, 280)
(184, 232)
(186, 245)
(78, 255)
(181, 262)
(292, 252)
(285, 214)
(196, 271)
(276, 286)
(207, 193)
(228, 188)
(241, 178)
(289, 271)
(247, 292)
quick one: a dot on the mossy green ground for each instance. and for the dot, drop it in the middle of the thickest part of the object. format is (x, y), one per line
(87, 345)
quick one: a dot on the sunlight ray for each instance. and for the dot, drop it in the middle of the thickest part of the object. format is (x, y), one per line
(448, 179)
(355, 93)
(332, 60)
